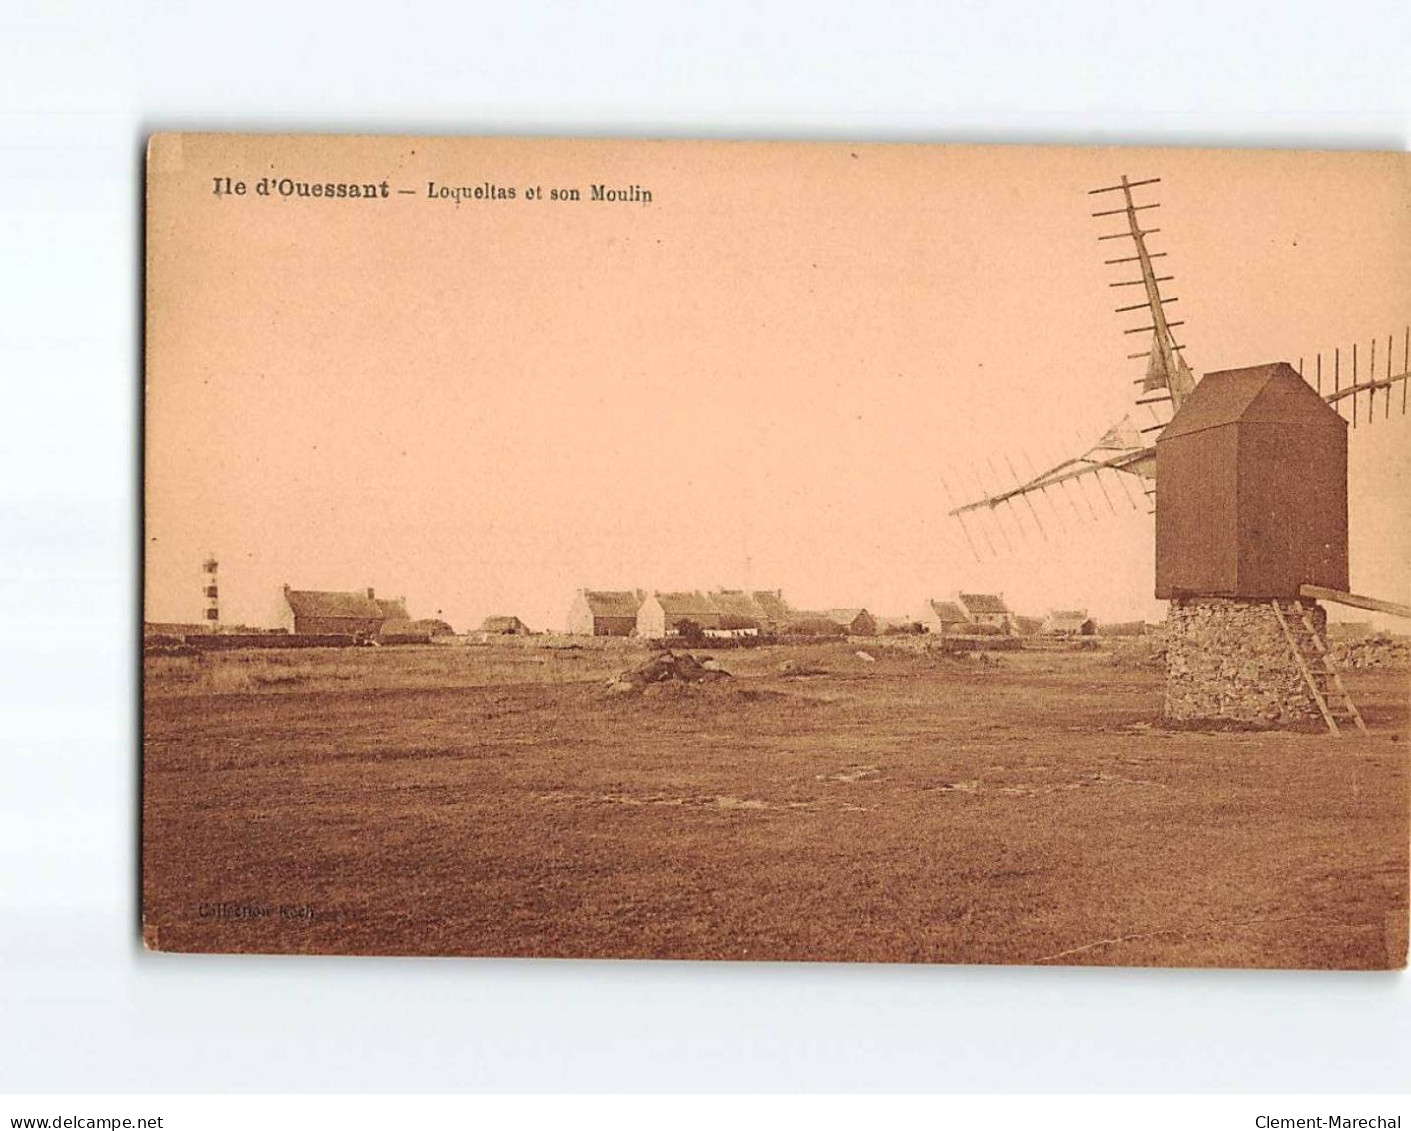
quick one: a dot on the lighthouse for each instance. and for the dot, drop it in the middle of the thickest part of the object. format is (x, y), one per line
(211, 592)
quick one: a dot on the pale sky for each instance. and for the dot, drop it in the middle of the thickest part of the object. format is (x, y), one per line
(763, 377)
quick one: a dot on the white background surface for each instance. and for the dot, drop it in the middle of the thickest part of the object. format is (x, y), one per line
(80, 86)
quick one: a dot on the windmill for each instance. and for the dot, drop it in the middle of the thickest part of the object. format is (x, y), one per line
(1127, 450)
(1251, 532)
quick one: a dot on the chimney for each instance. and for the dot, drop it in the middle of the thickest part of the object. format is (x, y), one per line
(370, 594)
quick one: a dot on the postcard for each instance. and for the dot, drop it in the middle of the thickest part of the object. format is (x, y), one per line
(776, 551)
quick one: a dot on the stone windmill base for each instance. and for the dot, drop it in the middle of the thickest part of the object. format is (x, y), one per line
(1253, 662)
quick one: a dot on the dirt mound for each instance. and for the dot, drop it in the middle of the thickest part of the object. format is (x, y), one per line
(667, 667)
(1380, 651)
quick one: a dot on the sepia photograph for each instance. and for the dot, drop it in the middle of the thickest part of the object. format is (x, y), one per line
(776, 551)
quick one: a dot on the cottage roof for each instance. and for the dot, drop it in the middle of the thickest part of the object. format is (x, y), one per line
(612, 602)
(424, 626)
(401, 626)
(694, 606)
(983, 603)
(845, 616)
(348, 606)
(394, 608)
(502, 624)
(736, 603)
(816, 624)
(772, 604)
(1269, 394)
(948, 612)
(1066, 620)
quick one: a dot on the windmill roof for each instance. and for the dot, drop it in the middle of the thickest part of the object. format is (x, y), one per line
(1271, 394)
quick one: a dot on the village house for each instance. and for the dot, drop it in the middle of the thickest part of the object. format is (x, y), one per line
(504, 626)
(987, 609)
(1068, 622)
(662, 614)
(763, 609)
(1122, 628)
(719, 613)
(604, 612)
(944, 618)
(740, 613)
(856, 622)
(395, 629)
(736, 603)
(774, 613)
(321, 612)
(731, 627)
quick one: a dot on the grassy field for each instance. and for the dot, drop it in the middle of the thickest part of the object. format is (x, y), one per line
(498, 800)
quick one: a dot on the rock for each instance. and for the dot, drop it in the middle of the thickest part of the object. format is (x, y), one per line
(667, 667)
(1379, 651)
(871, 659)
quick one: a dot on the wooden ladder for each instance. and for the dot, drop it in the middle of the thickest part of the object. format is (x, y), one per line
(1310, 653)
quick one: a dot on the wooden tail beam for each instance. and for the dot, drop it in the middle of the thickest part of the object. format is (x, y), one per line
(1371, 604)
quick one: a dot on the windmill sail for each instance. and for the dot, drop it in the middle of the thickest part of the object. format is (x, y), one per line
(1128, 448)
(1371, 381)
(1166, 369)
